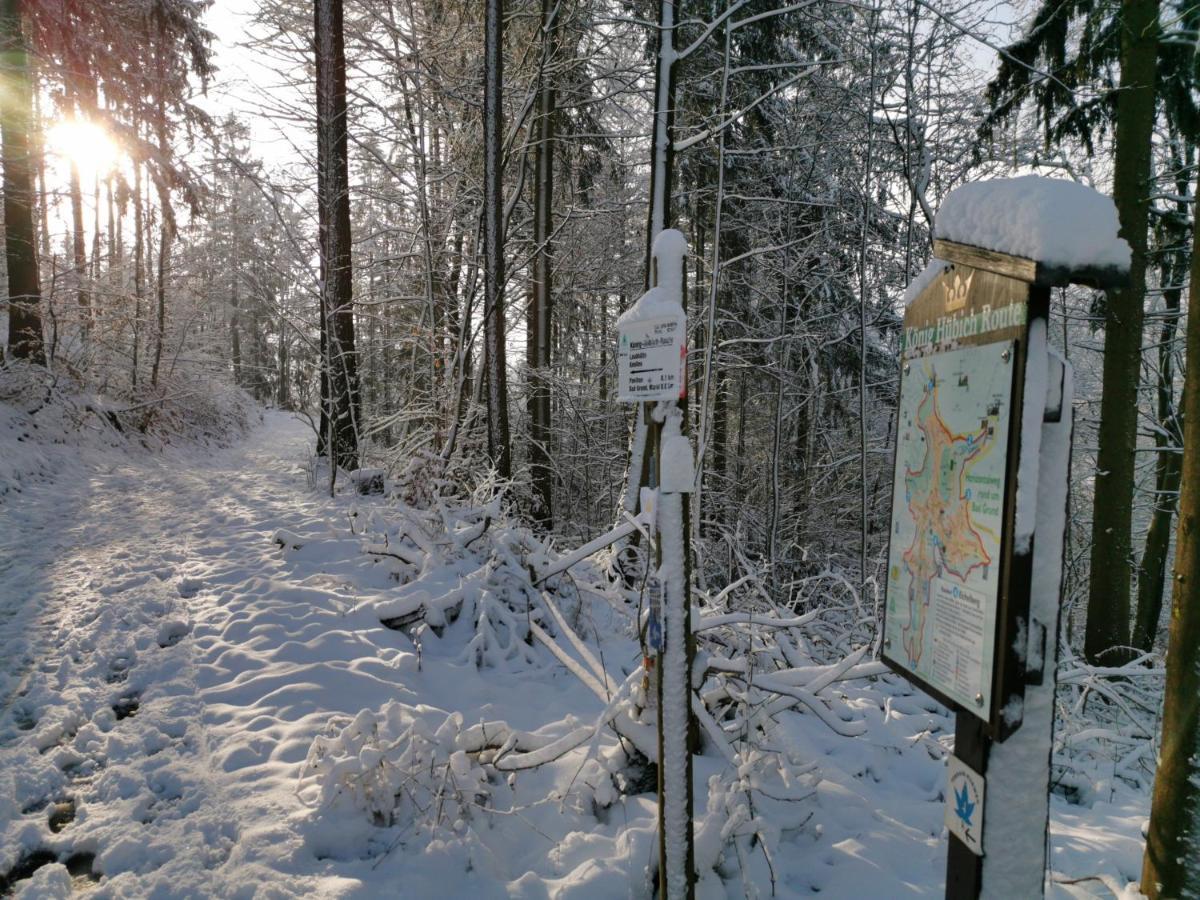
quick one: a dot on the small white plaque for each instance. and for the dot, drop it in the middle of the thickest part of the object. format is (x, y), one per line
(678, 469)
(649, 508)
(650, 357)
(964, 805)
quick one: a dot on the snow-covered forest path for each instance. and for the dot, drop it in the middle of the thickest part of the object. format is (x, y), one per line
(176, 629)
(154, 648)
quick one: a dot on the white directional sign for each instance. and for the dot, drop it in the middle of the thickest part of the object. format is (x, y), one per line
(650, 357)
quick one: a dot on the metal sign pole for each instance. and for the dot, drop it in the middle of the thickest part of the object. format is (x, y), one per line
(651, 357)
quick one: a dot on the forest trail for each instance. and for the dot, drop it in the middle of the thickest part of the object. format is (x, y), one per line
(166, 665)
(178, 629)
(144, 524)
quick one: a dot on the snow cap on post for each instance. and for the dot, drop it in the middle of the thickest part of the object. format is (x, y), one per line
(670, 248)
(665, 299)
(1065, 232)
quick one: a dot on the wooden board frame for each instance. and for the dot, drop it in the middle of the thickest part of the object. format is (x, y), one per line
(1028, 270)
(970, 290)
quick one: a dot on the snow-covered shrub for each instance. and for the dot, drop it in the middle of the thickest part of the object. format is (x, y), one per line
(400, 765)
(1106, 725)
(750, 806)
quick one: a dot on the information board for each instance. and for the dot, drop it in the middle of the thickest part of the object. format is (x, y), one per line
(948, 509)
(650, 358)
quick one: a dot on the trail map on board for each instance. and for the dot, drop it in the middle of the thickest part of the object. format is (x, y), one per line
(947, 519)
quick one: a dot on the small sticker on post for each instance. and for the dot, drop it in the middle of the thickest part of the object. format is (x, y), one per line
(678, 469)
(964, 805)
(649, 508)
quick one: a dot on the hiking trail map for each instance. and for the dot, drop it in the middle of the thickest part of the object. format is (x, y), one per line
(944, 561)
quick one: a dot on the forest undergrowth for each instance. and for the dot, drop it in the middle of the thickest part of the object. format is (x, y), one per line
(775, 679)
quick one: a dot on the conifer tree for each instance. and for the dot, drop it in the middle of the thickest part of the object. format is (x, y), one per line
(24, 295)
(1171, 868)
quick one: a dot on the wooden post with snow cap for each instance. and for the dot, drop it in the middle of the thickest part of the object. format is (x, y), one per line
(979, 505)
(651, 369)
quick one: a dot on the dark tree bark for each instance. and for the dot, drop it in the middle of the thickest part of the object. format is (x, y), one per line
(1171, 868)
(1108, 619)
(166, 229)
(340, 388)
(20, 249)
(79, 246)
(1152, 578)
(139, 262)
(499, 446)
(541, 307)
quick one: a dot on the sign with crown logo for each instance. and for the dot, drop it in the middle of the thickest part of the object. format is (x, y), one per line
(983, 436)
(950, 575)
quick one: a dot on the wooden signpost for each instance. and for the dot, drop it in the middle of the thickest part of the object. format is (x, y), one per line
(975, 547)
(651, 357)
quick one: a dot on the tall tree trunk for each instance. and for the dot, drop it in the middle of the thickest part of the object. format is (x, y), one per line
(662, 156)
(1171, 868)
(79, 246)
(1112, 552)
(139, 261)
(333, 175)
(541, 307)
(94, 262)
(282, 392)
(499, 447)
(38, 137)
(1152, 578)
(20, 249)
(165, 236)
(718, 493)
(235, 305)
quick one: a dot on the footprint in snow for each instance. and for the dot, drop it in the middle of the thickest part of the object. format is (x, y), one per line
(118, 669)
(126, 706)
(172, 632)
(189, 587)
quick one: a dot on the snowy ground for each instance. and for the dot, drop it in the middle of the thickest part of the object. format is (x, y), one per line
(167, 666)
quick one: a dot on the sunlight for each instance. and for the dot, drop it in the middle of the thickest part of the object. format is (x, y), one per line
(86, 144)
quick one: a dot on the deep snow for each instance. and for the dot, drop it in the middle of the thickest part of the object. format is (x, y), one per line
(1052, 220)
(181, 628)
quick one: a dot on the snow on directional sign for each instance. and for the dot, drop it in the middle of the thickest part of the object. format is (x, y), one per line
(650, 357)
(964, 805)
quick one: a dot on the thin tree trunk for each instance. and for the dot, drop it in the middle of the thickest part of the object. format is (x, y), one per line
(165, 236)
(139, 257)
(78, 245)
(662, 155)
(541, 307)
(1171, 868)
(1108, 617)
(1152, 578)
(334, 195)
(499, 447)
(20, 249)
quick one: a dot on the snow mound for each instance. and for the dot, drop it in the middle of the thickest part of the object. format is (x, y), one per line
(53, 421)
(1051, 220)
